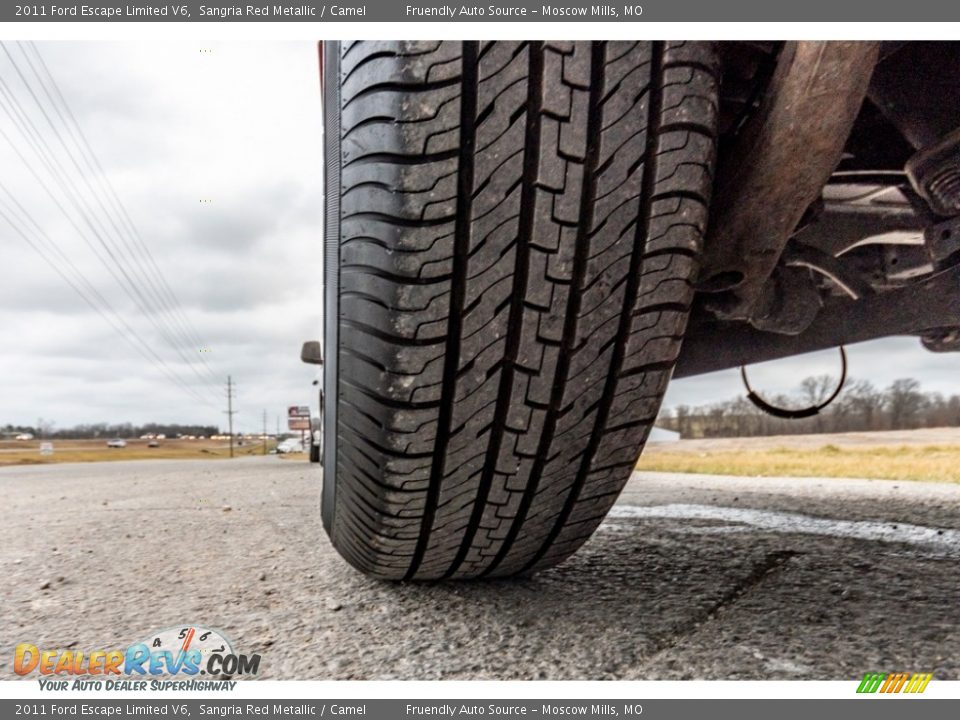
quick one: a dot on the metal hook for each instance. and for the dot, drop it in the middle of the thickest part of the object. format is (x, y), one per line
(786, 413)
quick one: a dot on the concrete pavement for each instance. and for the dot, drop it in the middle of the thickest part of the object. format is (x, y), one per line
(690, 577)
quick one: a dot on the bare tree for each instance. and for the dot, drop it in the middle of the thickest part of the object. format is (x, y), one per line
(864, 402)
(814, 391)
(904, 401)
(861, 406)
(683, 421)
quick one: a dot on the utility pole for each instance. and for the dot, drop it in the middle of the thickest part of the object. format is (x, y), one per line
(230, 411)
(264, 432)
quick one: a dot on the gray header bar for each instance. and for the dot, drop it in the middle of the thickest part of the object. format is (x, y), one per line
(242, 709)
(500, 11)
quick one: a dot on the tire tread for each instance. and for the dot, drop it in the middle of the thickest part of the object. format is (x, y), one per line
(520, 224)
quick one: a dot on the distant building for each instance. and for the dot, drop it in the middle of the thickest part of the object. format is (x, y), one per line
(24, 436)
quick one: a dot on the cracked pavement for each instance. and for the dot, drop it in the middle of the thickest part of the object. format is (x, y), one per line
(690, 577)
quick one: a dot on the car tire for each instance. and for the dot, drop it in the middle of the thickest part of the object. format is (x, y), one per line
(314, 453)
(512, 233)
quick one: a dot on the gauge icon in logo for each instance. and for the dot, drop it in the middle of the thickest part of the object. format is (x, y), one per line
(184, 639)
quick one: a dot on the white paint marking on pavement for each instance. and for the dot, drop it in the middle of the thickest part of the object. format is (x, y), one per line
(790, 523)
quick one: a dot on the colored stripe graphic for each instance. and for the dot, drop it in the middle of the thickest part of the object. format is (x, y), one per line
(871, 682)
(894, 682)
(918, 683)
(898, 681)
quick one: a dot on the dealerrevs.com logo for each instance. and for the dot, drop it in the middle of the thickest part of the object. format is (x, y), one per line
(187, 652)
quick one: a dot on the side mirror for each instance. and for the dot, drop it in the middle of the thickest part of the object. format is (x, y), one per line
(311, 353)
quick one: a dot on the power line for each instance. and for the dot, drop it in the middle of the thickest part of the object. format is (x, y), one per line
(93, 193)
(49, 161)
(108, 265)
(134, 289)
(52, 159)
(165, 293)
(128, 333)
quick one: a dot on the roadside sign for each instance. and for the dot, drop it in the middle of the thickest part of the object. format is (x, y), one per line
(298, 411)
(298, 423)
(46, 448)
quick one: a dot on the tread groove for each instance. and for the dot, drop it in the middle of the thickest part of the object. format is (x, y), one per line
(633, 281)
(573, 307)
(518, 292)
(468, 129)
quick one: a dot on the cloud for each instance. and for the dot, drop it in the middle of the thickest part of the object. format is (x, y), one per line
(241, 128)
(238, 128)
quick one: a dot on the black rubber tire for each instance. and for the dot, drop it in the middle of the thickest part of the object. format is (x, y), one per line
(314, 452)
(512, 233)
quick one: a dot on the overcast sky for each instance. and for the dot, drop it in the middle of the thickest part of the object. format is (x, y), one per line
(238, 125)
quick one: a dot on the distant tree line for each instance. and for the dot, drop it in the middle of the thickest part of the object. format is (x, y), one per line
(861, 406)
(45, 429)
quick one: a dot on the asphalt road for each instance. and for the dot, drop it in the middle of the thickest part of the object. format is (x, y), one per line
(691, 577)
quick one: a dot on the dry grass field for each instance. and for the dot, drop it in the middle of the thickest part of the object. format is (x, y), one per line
(28, 452)
(931, 455)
